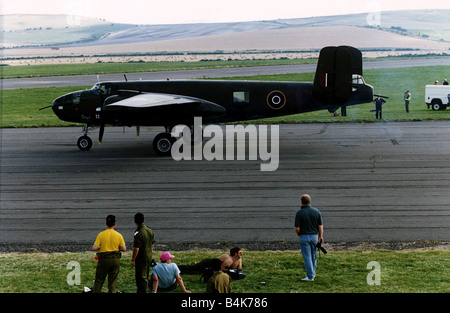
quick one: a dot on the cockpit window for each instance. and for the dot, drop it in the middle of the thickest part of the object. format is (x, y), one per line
(99, 88)
(357, 80)
(96, 88)
(76, 97)
(241, 96)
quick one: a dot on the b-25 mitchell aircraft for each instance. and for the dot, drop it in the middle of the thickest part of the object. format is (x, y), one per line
(338, 83)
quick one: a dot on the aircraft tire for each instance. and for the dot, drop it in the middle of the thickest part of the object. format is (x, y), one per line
(84, 143)
(162, 144)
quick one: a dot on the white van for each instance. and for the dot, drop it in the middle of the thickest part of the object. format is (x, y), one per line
(437, 96)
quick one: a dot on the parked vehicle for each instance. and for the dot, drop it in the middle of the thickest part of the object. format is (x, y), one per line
(437, 96)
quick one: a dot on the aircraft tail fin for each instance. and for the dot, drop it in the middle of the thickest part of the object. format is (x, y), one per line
(333, 79)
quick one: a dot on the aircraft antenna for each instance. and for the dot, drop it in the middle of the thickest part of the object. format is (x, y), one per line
(125, 77)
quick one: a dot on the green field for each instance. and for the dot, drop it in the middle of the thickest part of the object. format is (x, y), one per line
(338, 272)
(134, 67)
(20, 108)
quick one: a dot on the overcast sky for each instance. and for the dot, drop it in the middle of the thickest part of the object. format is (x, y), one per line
(194, 11)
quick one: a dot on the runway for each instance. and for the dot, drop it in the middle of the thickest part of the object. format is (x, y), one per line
(377, 182)
(90, 80)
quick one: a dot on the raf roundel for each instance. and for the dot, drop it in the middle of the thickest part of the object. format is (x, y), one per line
(276, 100)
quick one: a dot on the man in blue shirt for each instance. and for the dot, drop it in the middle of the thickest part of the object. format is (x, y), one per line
(308, 225)
(166, 274)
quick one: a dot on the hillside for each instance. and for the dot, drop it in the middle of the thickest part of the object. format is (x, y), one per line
(26, 30)
(47, 30)
(430, 23)
(56, 36)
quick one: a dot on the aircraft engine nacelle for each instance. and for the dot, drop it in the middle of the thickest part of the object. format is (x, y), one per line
(333, 78)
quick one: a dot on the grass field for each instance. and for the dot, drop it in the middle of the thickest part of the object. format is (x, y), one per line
(338, 272)
(133, 67)
(20, 108)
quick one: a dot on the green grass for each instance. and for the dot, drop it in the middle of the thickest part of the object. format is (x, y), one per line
(338, 272)
(20, 108)
(133, 67)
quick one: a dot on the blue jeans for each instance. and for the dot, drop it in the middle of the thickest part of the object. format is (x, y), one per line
(308, 248)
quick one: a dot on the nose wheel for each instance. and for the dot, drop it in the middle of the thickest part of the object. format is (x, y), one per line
(84, 143)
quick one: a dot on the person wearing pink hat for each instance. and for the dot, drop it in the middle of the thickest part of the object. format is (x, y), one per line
(166, 275)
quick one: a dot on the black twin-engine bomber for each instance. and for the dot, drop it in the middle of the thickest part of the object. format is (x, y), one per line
(338, 83)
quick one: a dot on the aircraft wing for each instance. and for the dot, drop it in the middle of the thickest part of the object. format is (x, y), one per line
(158, 108)
(148, 100)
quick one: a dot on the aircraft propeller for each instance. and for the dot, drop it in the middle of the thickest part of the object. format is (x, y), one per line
(98, 116)
(101, 132)
(376, 96)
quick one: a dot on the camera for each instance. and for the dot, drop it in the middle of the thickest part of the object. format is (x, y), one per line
(319, 247)
(235, 274)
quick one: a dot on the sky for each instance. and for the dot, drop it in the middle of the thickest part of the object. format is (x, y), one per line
(207, 11)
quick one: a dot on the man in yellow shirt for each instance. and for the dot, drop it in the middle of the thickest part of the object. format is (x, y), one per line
(109, 243)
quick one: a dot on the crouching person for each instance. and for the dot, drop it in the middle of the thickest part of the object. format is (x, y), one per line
(166, 275)
(219, 282)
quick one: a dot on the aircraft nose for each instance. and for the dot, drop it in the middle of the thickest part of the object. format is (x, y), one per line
(58, 101)
(61, 104)
(58, 104)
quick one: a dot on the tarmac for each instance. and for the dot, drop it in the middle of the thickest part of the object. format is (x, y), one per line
(373, 182)
(90, 80)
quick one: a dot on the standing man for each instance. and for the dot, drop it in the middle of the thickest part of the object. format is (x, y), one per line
(407, 98)
(378, 107)
(109, 243)
(308, 225)
(142, 253)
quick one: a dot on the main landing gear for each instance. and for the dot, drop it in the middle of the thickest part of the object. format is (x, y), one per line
(162, 144)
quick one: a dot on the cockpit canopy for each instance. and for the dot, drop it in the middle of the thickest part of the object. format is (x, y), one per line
(101, 88)
(357, 80)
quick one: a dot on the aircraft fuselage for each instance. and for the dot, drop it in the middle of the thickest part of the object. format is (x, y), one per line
(242, 100)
